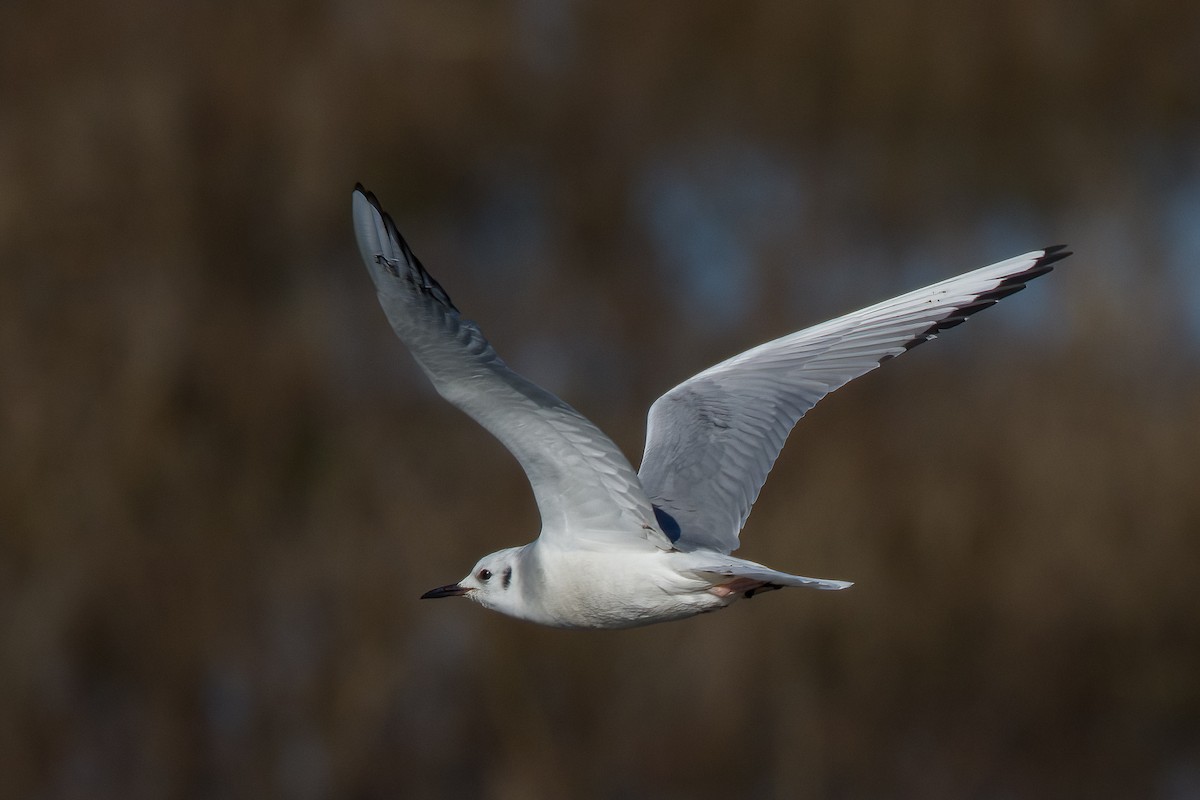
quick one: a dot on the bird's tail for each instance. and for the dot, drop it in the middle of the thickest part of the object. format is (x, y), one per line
(737, 569)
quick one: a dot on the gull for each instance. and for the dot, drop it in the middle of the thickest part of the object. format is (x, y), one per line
(620, 548)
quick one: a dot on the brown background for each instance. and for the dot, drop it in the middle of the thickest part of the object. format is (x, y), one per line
(223, 484)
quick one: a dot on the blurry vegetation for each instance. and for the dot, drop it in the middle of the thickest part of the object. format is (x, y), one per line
(223, 484)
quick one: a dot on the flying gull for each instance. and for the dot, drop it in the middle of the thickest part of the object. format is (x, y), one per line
(620, 548)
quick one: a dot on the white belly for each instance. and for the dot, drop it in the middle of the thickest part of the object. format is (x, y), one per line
(621, 589)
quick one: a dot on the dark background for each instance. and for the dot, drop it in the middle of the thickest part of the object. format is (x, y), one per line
(223, 484)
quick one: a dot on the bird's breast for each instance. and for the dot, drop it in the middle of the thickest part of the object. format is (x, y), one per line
(619, 589)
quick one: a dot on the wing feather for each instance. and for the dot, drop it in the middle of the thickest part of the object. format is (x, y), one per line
(586, 490)
(711, 440)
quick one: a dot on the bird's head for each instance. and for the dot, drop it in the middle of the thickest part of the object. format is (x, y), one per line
(492, 582)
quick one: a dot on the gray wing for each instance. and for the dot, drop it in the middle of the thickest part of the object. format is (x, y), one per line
(586, 490)
(711, 440)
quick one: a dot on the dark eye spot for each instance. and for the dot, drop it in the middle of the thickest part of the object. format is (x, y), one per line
(485, 575)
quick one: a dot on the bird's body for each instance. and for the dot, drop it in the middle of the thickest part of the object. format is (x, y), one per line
(617, 548)
(624, 588)
(606, 589)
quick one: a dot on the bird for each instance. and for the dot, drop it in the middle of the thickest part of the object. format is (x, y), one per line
(620, 548)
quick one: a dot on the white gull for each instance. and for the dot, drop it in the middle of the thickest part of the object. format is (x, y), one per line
(620, 548)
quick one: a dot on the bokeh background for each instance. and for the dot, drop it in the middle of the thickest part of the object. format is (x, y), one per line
(223, 483)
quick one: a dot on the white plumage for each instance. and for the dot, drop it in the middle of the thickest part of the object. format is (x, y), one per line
(619, 548)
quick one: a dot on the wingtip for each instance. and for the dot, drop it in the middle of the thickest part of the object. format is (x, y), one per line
(1006, 286)
(429, 284)
(388, 223)
(369, 196)
(1052, 255)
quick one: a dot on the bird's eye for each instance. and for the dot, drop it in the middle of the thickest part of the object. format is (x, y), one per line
(485, 574)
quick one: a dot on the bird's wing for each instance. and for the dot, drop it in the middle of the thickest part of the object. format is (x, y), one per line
(586, 490)
(711, 440)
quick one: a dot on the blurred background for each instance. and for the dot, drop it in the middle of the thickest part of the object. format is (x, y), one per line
(224, 484)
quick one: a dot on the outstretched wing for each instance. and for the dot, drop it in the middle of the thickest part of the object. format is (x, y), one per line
(586, 491)
(711, 440)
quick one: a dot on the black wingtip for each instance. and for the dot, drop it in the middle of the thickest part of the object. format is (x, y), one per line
(1053, 254)
(1009, 285)
(369, 196)
(427, 283)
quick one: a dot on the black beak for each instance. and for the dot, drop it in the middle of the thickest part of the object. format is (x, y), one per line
(449, 590)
